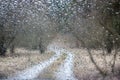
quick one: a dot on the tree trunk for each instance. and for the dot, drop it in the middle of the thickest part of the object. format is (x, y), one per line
(12, 48)
(41, 48)
(109, 44)
(2, 50)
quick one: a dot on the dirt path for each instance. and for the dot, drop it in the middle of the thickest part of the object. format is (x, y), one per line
(48, 73)
(34, 71)
(65, 72)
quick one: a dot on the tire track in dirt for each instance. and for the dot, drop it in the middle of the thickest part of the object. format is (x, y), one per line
(48, 73)
(34, 71)
(65, 72)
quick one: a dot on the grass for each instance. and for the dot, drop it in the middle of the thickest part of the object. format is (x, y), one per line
(49, 73)
(21, 60)
(84, 68)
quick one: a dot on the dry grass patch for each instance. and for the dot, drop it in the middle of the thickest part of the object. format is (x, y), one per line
(21, 60)
(86, 70)
(48, 74)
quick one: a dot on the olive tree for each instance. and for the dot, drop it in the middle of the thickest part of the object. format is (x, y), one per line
(39, 29)
(10, 18)
(108, 16)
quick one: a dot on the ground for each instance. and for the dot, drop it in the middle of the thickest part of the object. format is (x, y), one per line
(62, 63)
(86, 70)
(21, 60)
(50, 71)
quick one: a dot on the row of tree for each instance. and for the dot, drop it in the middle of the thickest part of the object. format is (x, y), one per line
(24, 23)
(95, 23)
(34, 23)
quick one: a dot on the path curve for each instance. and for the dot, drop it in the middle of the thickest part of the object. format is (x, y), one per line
(65, 72)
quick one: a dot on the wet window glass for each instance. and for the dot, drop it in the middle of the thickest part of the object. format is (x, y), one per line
(59, 39)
